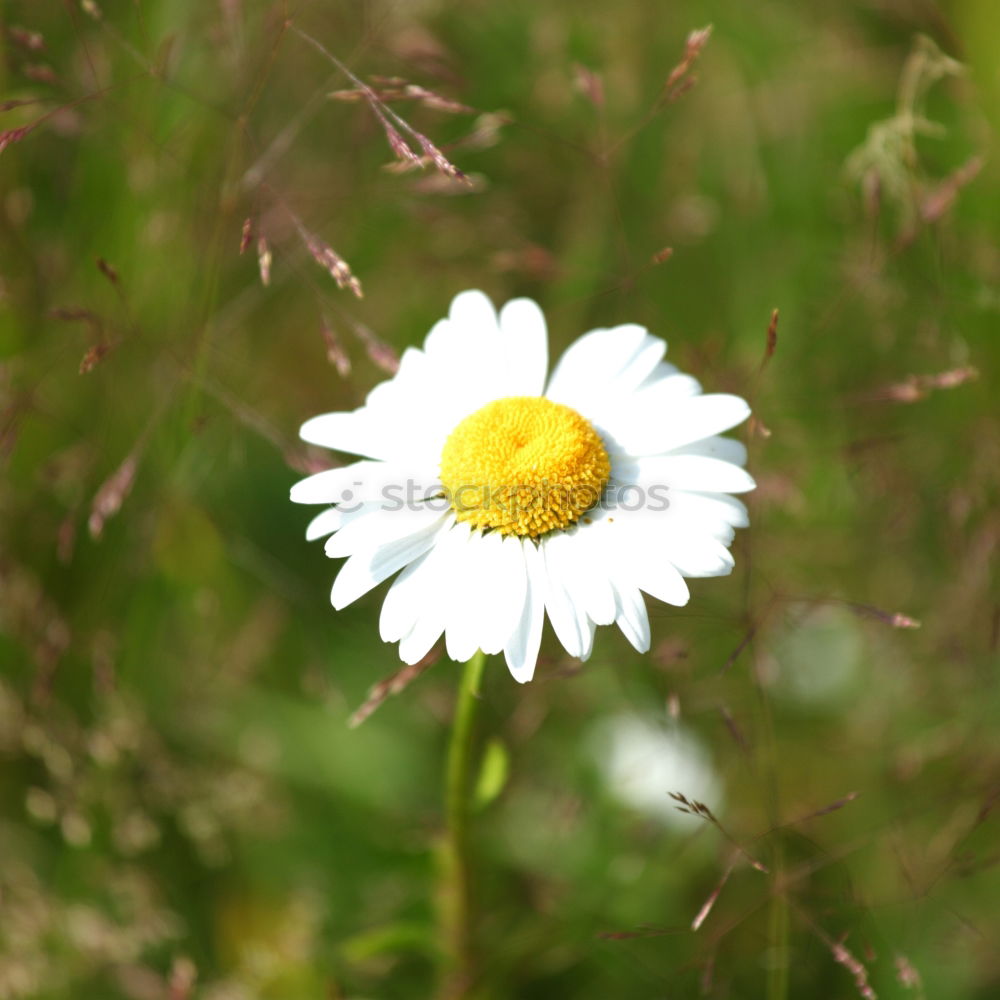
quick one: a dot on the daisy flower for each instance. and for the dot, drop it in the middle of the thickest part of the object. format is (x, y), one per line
(503, 497)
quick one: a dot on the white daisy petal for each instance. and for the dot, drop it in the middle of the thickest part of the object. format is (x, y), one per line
(666, 383)
(324, 523)
(564, 617)
(329, 485)
(698, 555)
(589, 631)
(703, 416)
(639, 366)
(473, 312)
(690, 472)
(381, 525)
(728, 449)
(443, 339)
(591, 362)
(631, 615)
(404, 601)
(462, 351)
(418, 430)
(642, 411)
(652, 430)
(481, 594)
(525, 346)
(367, 569)
(521, 649)
(417, 643)
(355, 433)
(662, 580)
(509, 597)
(406, 386)
(490, 605)
(365, 480)
(436, 582)
(644, 559)
(714, 505)
(683, 537)
(461, 640)
(352, 511)
(456, 366)
(586, 579)
(696, 515)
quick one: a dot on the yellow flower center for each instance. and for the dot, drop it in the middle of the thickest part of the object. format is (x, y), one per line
(523, 466)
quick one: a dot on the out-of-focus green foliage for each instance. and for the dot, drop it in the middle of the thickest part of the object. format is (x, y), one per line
(185, 812)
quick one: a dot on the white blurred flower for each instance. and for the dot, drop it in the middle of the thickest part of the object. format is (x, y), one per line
(504, 497)
(815, 655)
(642, 763)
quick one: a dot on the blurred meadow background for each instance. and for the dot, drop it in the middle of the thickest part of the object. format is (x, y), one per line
(187, 813)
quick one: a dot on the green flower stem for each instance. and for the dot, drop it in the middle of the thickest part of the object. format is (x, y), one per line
(777, 976)
(456, 903)
(779, 966)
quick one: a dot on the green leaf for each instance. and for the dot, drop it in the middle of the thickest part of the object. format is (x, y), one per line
(492, 774)
(389, 939)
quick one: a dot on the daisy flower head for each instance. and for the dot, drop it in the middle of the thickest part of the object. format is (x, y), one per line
(505, 496)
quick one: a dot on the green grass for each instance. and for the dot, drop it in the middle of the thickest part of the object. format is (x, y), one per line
(180, 789)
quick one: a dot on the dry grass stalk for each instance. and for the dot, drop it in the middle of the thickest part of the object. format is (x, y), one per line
(13, 135)
(331, 262)
(735, 731)
(887, 164)
(706, 908)
(392, 124)
(772, 338)
(66, 538)
(826, 810)
(335, 352)
(41, 73)
(939, 200)
(30, 40)
(748, 637)
(264, 260)
(680, 81)
(111, 495)
(183, 976)
(96, 353)
(907, 975)
(395, 88)
(76, 314)
(94, 356)
(378, 351)
(10, 424)
(590, 84)
(894, 618)
(19, 103)
(640, 932)
(693, 807)
(914, 388)
(854, 966)
(394, 684)
(108, 271)
(439, 184)
(842, 956)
